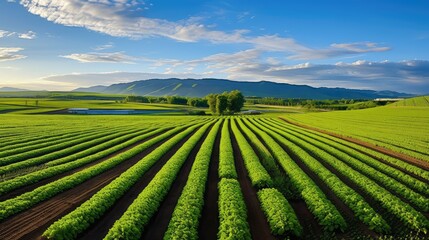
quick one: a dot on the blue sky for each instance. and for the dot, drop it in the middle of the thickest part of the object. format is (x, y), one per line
(62, 45)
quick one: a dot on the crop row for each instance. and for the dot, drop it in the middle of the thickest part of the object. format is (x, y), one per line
(335, 148)
(29, 199)
(324, 211)
(388, 182)
(354, 201)
(50, 153)
(403, 211)
(280, 215)
(280, 180)
(132, 223)
(232, 211)
(257, 173)
(98, 151)
(226, 155)
(185, 219)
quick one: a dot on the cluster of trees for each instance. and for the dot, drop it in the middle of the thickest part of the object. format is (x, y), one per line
(225, 103)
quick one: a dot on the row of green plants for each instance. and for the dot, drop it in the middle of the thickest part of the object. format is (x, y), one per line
(226, 154)
(24, 139)
(353, 200)
(74, 223)
(7, 160)
(99, 152)
(185, 218)
(280, 214)
(324, 211)
(11, 149)
(336, 147)
(233, 223)
(391, 160)
(132, 223)
(280, 180)
(389, 183)
(257, 173)
(29, 199)
(37, 157)
(393, 204)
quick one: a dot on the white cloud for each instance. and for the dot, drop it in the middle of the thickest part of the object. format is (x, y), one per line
(112, 18)
(408, 76)
(114, 57)
(28, 35)
(9, 54)
(104, 47)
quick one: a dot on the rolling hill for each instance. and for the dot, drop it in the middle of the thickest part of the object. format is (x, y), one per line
(202, 87)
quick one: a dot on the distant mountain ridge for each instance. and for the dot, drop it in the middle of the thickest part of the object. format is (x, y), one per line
(202, 87)
(11, 89)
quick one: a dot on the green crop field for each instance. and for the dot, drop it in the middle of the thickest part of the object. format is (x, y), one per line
(271, 176)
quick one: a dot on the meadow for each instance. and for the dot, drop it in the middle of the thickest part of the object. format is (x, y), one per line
(328, 175)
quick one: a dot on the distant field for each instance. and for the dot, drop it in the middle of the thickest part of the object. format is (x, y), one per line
(422, 101)
(29, 105)
(184, 177)
(402, 129)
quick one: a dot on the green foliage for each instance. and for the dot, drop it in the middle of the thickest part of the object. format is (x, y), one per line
(225, 103)
(74, 161)
(232, 212)
(226, 154)
(91, 210)
(324, 211)
(280, 215)
(186, 215)
(29, 199)
(132, 223)
(257, 173)
(393, 204)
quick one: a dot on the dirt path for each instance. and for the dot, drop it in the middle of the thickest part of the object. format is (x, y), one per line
(404, 157)
(101, 227)
(33, 186)
(31, 223)
(209, 222)
(259, 227)
(159, 222)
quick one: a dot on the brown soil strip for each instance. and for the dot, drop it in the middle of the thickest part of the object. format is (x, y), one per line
(31, 223)
(259, 227)
(345, 211)
(209, 222)
(404, 157)
(33, 186)
(101, 227)
(159, 222)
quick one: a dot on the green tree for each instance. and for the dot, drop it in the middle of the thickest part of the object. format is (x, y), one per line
(235, 101)
(211, 101)
(221, 103)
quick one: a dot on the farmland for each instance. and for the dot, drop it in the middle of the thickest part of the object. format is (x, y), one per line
(184, 177)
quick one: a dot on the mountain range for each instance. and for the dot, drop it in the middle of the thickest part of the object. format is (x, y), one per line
(203, 87)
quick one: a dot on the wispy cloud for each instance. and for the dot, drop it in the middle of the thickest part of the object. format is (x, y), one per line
(28, 35)
(114, 57)
(103, 47)
(409, 76)
(9, 54)
(340, 49)
(112, 18)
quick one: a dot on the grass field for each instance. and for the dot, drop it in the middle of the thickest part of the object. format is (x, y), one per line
(184, 177)
(403, 129)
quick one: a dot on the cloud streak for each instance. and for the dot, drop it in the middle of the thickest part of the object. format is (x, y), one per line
(113, 18)
(114, 57)
(9, 54)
